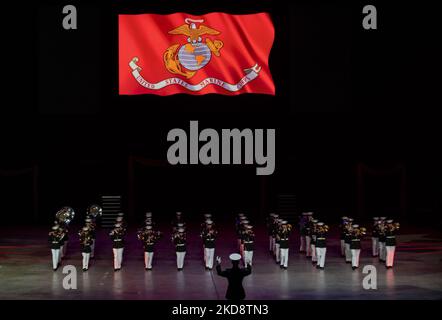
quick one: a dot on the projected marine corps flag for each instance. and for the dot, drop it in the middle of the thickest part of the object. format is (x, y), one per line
(181, 53)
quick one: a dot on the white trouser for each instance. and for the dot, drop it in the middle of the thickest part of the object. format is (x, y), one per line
(248, 257)
(382, 251)
(355, 257)
(347, 252)
(55, 257)
(86, 257)
(308, 248)
(118, 257)
(302, 246)
(270, 243)
(148, 257)
(209, 253)
(320, 253)
(180, 259)
(342, 247)
(93, 248)
(277, 252)
(314, 258)
(375, 246)
(390, 255)
(284, 257)
(61, 253)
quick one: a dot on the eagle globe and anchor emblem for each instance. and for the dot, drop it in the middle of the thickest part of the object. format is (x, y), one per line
(186, 59)
(195, 54)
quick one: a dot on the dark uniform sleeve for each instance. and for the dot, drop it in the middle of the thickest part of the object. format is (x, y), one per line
(247, 270)
(220, 272)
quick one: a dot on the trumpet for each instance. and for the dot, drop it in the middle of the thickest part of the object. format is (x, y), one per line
(359, 232)
(393, 226)
(322, 229)
(57, 234)
(117, 232)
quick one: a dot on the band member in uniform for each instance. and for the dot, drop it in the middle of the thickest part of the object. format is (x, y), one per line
(249, 240)
(283, 235)
(148, 237)
(179, 239)
(382, 239)
(117, 236)
(55, 237)
(269, 225)
(356, 235)
(91, 226)
(321, 244)
(86, 246)
(242, 228)
(209, 235)
(390, 242)
(274, 230)
(302, 223)
(235, 276)
(238, 228)
(308, 236)
(313, 243)
(207, 217)
(375, 237)
(278, 241)
(64, 241)
(342, 234)
(347, 239)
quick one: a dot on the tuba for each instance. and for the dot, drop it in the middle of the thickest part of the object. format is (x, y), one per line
(94, 211)
(65, 215)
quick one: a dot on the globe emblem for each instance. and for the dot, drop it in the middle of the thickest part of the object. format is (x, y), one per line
(194, 56)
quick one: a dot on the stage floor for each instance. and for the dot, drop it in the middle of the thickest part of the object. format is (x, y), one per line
(26, 272)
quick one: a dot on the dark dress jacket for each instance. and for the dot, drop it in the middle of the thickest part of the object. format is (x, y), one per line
(235, 290)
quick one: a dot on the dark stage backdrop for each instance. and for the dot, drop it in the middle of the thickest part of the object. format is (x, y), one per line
(345, 97)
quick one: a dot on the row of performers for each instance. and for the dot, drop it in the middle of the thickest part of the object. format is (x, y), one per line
(313, 239)
(312, 242)
(383, 240)
(149, 236)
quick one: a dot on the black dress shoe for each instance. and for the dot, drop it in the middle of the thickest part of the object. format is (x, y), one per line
(281, 266)
(322, 268)
(207, 268)
(285, 268)
(347, 261)
(115, 270)
(354, 268)
(55, 269)
(317, 267)
(84, 269)
(180, 269)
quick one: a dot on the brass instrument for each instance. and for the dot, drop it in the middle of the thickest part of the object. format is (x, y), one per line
(322, 229)
(65, 215)
(179, 236)
(359, 232)
(94, 211)
(391, 227)
(58, 234)
(119, 232)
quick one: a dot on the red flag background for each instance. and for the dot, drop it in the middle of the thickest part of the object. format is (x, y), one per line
(247, 41)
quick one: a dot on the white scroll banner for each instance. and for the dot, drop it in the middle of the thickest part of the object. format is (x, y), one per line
(251, 74)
